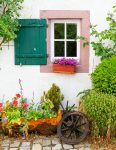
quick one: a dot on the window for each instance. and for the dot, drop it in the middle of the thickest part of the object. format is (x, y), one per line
(79, 17)
(64, 41)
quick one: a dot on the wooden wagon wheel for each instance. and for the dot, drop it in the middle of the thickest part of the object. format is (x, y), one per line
(73, 128)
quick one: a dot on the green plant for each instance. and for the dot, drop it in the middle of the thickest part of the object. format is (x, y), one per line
(43, 110)
(101, 110)
(104, 76)
(34, 114)
(9, 12)
(54, 95)
(104, 44)
(13, 116)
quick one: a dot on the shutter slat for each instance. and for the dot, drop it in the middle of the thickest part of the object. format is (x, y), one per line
(30, 56)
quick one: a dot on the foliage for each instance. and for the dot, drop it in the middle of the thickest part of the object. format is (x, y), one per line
(104, 76)
(43, 110)
(66, 61)
(54, 95)
(101, 109)
(105, 44)
(9, 12)
(105, 41)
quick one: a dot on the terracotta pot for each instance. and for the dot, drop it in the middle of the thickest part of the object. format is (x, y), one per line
(69, 69)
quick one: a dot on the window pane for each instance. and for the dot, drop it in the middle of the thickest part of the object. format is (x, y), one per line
(71, 31)
(71, 49)
(59, 30)
(59, 49)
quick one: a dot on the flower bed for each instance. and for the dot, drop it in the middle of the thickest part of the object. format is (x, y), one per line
(20, 117)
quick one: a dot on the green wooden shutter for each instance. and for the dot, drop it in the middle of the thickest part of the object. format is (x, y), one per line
(30, 44)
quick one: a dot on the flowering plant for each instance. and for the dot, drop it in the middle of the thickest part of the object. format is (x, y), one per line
(66, 61)
(14, 111)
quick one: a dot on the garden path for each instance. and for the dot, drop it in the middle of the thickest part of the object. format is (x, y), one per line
(42, 143)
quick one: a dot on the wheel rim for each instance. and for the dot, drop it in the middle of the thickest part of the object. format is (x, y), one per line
(73, 128)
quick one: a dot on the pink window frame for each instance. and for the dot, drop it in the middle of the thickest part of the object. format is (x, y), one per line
(84, 17)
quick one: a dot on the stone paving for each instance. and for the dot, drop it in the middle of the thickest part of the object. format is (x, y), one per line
(44, 143)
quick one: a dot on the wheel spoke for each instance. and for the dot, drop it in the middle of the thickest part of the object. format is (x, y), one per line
(79, 131)
(75, 134)
(72, 118)
(81, 124)
(65, 129)
(70, 134)
(64, 123)
(77, 119)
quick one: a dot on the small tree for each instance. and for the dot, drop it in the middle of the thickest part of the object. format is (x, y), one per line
(9, 12)
(54, 94)
(104, 44)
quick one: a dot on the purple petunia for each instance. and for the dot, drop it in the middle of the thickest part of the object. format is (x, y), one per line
(66, 61)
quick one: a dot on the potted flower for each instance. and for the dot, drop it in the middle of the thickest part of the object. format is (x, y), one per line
(65, 65)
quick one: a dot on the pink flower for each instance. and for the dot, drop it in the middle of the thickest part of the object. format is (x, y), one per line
(18, 95)
(14, 102)
(25, 105)
(1, 105)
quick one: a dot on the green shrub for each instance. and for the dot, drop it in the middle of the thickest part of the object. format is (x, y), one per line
(101, 110)
(104, 76)
(54, 95)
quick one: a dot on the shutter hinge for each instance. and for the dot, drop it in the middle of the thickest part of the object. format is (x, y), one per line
(47, 55)
(20, 64)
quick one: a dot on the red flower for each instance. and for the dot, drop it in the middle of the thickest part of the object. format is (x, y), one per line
(18, 95)
(1, 105)
(1, 109)
(25, 105)
(14, 102)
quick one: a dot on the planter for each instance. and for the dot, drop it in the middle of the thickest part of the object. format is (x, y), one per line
(45, 126)
(69, 69)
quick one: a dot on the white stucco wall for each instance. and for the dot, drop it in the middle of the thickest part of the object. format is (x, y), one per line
(32, 79)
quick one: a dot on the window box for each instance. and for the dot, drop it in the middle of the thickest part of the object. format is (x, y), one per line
(65, 65)
(57, 68)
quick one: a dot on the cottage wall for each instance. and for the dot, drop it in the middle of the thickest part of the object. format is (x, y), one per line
(33, 80)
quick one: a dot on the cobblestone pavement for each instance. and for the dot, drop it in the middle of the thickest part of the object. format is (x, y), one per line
(42, 143)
